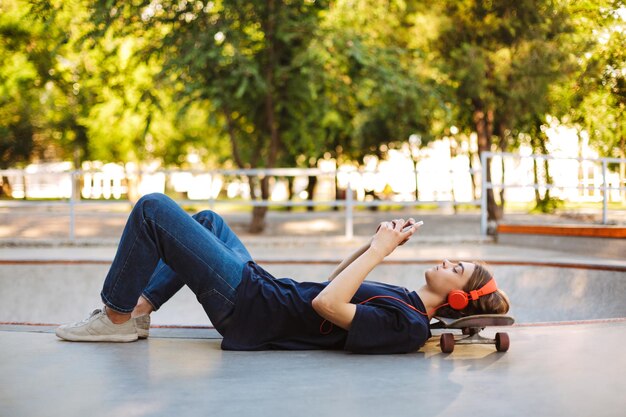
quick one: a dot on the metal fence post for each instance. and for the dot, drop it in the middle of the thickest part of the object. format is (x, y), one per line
(604, 192)
(349, 211)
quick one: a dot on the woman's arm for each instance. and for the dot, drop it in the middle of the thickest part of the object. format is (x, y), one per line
(360, 251)
(347, 261)
(333, 302)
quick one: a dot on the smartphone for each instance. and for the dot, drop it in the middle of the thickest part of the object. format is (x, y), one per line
(407, 228)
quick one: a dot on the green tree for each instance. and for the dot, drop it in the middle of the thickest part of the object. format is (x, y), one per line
(239, 56)
(373, 83)
(24, 62)
(135, 117)
(501, 58)
(593, 99)
(596, 97)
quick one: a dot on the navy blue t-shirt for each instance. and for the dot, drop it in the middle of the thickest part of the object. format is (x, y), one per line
(276, 313)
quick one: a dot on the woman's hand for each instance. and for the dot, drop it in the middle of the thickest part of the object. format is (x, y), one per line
(409, 222)
(389, 236)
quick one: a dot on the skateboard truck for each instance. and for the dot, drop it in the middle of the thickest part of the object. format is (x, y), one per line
(471, 326)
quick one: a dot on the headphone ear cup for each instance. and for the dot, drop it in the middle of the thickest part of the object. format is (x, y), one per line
(458, 299)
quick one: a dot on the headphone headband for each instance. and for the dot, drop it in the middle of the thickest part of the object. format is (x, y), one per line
(488, 288)
(458, 299)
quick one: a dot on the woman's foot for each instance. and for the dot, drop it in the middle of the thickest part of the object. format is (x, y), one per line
(142, 324)
(98, 327)
(141, 316)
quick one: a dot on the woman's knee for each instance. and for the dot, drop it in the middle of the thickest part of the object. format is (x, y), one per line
(153, 197)
(207, 216)
(152, 201)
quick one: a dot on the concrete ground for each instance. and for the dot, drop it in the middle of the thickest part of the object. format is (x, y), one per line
(549, 371)
(573, 368)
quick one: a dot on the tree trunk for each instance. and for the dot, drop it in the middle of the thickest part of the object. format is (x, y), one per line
(239, 160)
(257, 225)
(290, 191)
(536, 179)
(546, 167)
(472, 175)
(417, 193)
(252, 180)
(452, 194)
(544, 203)
(536, 175)
(483, 121)
(581, 173)
(310, 190)
(233, 138)
(5, 189)
(339, 194)
(503, 143)
(622, 168)
(258, 213)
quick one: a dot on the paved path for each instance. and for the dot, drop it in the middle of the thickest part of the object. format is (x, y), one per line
(97, 222)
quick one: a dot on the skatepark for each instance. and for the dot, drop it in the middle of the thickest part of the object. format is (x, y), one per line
(305, 125)
(565, 356)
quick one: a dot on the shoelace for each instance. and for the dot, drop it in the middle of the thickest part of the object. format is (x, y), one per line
(85, 320)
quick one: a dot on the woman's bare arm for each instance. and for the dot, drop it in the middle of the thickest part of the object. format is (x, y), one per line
(347, 261)
(333, 302)
(360, 251)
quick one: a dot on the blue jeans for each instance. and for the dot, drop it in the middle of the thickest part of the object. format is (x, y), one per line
(163, 248)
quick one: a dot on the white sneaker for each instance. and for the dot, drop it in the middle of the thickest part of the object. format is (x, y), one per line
(142, 324)
(98, 328)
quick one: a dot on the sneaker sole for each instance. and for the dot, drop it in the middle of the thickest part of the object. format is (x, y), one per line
(98, 338)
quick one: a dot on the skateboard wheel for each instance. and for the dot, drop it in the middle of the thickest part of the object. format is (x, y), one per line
(502, 342)
(447, 342)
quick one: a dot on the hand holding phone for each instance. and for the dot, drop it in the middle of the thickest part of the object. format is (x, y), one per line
(407, 228)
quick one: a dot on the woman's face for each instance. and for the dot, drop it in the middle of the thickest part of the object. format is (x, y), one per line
(448, 276)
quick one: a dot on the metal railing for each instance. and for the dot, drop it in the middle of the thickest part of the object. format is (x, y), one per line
(487, 157)
(349, 203)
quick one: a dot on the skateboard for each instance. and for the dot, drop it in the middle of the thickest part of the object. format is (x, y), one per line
(471, 326)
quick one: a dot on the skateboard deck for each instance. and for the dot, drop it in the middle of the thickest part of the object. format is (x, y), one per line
(471, 326)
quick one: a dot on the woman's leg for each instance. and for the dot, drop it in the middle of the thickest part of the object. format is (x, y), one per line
(164, 282)
(159, 229)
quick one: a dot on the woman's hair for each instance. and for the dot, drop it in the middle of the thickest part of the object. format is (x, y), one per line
(494, 303)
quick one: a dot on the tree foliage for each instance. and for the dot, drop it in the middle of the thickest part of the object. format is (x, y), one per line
(265, 83)
(595, 97)
(502, 58)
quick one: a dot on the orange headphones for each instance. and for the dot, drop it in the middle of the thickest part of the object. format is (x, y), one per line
(458, 299)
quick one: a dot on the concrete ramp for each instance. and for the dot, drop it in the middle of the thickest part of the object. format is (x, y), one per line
(54, 292)
(549, 370)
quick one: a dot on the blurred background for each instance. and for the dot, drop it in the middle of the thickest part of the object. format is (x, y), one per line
(517, 107)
